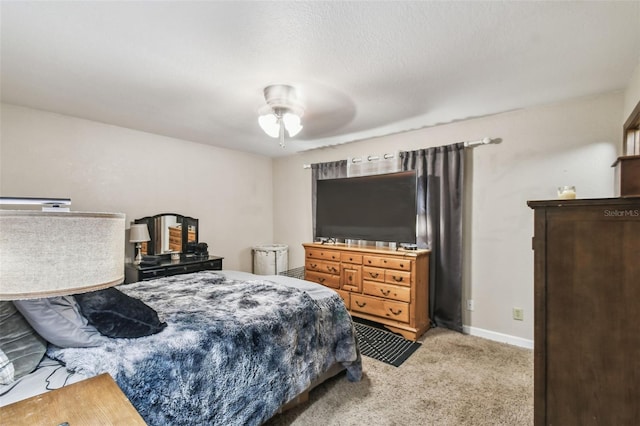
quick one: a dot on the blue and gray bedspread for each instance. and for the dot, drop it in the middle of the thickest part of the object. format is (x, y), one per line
(233, 352)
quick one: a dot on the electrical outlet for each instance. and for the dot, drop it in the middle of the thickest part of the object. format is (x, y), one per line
(469, 304)
(518, 314)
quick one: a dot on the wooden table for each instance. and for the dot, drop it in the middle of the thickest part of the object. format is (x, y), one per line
(97, 400)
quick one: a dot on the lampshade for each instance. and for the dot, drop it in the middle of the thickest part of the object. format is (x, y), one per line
(292, 123)
(44, 254)
(139, 233)
(270, 123)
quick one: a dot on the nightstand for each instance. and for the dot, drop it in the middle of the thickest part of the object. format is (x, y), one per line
(97, 400)
(165, 268)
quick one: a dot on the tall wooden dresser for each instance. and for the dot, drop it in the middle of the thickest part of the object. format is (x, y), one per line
(587, 312)
(387, 286)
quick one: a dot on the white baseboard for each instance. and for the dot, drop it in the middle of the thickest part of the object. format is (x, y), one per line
(498, 337)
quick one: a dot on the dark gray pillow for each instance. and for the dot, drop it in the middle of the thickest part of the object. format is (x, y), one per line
(115, 314)
(20, 343)
(59, 321)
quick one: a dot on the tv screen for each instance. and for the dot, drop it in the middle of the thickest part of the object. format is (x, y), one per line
(372, 208)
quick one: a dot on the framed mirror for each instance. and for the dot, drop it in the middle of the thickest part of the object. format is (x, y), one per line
(170, 233)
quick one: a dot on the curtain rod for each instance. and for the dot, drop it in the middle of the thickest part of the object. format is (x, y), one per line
(467, 144)
(484, 141)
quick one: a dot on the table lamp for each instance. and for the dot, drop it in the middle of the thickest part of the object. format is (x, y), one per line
(139, 234)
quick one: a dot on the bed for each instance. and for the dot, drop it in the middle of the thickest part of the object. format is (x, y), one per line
(236, 349)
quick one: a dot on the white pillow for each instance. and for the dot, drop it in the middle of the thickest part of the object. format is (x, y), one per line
(58, 320)
(6, 369)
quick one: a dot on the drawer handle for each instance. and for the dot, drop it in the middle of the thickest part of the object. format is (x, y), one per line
(384, 261)
(374, 274)
(402, 265)
(397, 279)
(321, 280)
(369, 261)
(351, 259)
(331, 269)
(385, 293)
(361, 305)
(395, 313)
(313, 265)
(350, 278)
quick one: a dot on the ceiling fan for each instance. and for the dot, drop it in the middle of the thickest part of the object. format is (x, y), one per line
(282, 112)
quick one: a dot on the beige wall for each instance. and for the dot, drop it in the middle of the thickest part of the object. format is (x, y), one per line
(108, 168)
(569, 143)
(243, 200)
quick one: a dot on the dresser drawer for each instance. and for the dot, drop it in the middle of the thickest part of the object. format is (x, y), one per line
(185, 269)
(387, 291)
(320, 266)
(387, 262)
(345, 295)
(212, 265)
(322, 254)
(392, 276)
(149, 274)
(373, 274)
(351, 277)
(328, 280)
(397, 311)
(351, 258)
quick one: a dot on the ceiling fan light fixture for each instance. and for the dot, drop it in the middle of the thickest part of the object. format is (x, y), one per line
(292, 123)
(282, 113)
(269, 123)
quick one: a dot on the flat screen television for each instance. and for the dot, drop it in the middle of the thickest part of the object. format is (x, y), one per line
(372, 208)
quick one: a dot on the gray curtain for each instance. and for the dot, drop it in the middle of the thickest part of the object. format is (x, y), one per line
(440, 173)
(330, 170)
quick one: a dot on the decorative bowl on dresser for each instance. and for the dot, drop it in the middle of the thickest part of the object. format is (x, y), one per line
(388, 286)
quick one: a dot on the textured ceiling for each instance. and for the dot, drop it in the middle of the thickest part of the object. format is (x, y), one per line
(196, 70)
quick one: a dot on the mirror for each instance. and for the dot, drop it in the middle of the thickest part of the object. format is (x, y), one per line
(170, 233)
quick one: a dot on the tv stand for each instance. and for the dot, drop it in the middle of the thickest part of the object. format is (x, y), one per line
(380, 284)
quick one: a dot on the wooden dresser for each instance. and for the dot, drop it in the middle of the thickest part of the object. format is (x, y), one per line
(143, 272)
(387, 286)
(587, 312)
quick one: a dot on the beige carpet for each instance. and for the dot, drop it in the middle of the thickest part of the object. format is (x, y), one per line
(452, 379)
